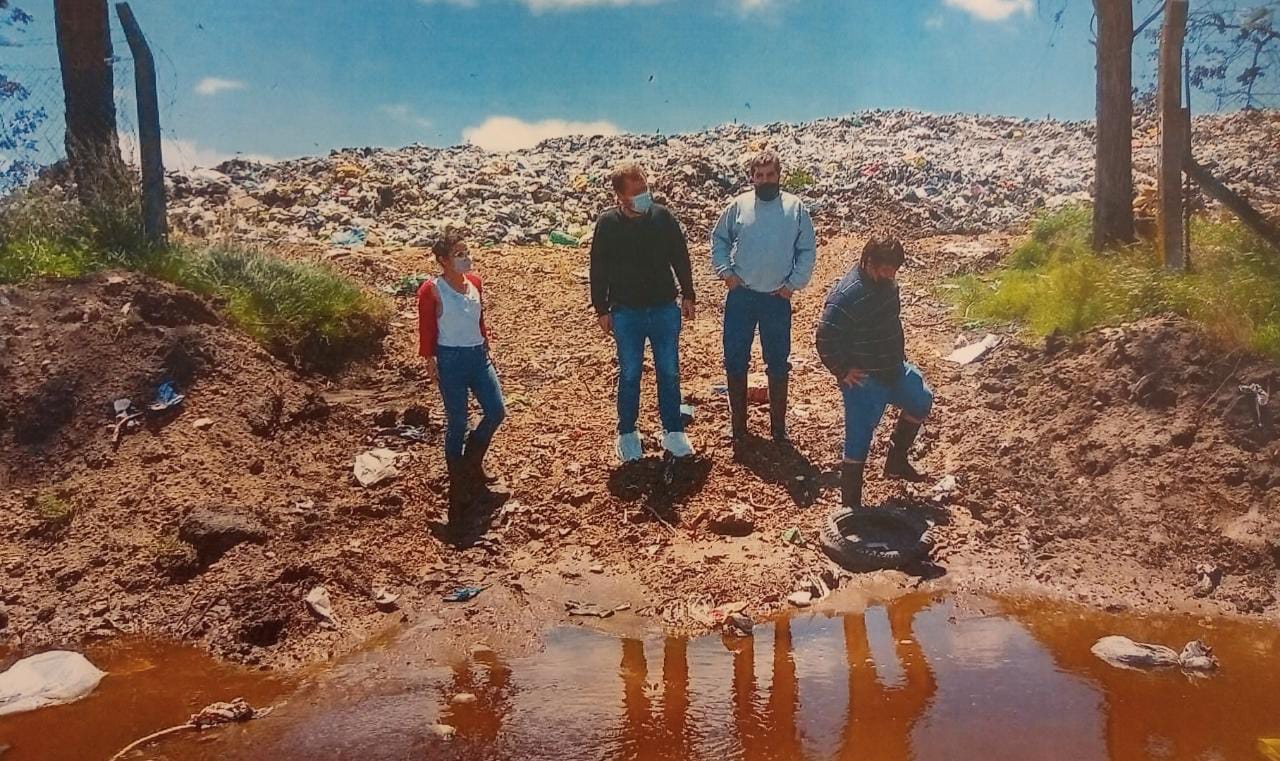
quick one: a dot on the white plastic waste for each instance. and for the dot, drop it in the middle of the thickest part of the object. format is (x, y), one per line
(974, 351)
(48, 679)
(376, 465)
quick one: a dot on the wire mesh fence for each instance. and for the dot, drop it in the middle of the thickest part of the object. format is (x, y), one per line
(33, 124)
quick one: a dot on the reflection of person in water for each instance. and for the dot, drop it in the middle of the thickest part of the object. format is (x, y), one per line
(488, 677)
(644, 735)
(772, 735)
(881, 719)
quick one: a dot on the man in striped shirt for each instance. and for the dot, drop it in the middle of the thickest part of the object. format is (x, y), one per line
(860, 340)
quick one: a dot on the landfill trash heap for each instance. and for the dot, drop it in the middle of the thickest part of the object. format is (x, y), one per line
(902, 172)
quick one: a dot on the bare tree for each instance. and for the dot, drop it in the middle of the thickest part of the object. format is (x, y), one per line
(84, 51)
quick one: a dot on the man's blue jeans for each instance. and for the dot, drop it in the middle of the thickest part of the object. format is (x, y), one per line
(744, 309)
(865, 403)
(660, 325)
(464, 371)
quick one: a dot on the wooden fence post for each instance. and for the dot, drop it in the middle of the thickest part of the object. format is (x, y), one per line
(154, 221)
(1174, 137)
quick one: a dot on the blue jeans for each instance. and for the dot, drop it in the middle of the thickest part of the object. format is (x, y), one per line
(464, 371)
(661, 326)
(865, 403)
(744, 309)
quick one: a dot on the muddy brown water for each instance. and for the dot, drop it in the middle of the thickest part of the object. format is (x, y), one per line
(914, 678)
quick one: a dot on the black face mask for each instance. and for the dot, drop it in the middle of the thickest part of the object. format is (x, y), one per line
(767, 191)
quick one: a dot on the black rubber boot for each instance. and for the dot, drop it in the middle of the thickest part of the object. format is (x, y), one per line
(737, 406)
(851, 483)
(778, 410)
(474, 457)
(896, 465)
(459, 497)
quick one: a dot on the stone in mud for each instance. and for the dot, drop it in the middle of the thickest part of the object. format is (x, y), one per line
(213, 532)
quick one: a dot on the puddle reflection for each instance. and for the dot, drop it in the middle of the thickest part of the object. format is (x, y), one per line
(918, 678)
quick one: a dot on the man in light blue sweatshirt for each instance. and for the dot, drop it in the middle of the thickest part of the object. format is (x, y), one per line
(764, 249)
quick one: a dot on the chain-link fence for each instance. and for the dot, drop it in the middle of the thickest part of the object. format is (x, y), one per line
(33, 124)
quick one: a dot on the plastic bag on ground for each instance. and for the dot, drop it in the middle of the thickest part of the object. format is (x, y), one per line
(48, 679)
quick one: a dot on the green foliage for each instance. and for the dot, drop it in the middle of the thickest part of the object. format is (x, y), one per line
(1053, 281)
(305, 313)
(798, 179)
(54, 513)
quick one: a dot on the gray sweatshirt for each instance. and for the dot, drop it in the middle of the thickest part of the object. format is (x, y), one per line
(767, 244)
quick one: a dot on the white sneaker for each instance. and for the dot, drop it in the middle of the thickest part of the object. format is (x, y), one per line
(630, 447)
(677, 444)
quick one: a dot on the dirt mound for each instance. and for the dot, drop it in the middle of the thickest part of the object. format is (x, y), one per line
(211, 519)
(1139, 441)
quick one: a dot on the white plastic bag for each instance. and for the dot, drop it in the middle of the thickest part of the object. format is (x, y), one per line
(47, 679)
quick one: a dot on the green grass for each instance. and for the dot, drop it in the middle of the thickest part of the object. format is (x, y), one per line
(54, 513)
(1054, 282)
(305, 313)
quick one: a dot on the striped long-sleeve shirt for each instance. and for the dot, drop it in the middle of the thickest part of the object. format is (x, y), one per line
(861, 328)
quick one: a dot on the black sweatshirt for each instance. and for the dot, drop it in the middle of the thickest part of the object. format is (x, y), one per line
(632, 260)
(861, 328)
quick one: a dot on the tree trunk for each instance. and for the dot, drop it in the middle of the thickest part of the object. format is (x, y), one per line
(1113, 164)
(84, 51)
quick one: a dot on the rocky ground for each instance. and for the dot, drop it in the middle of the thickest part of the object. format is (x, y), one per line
(1128, 469)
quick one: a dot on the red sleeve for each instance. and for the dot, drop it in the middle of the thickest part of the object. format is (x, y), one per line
(428, 322)
(479, 284)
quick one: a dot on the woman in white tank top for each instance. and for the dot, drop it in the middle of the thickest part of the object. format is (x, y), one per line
(453, 338)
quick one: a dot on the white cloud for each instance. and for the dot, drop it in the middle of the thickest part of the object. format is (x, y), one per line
(180, 154)
(403, 112)
(992, 10)
(215, 85)
(507, 133)
(934, 21)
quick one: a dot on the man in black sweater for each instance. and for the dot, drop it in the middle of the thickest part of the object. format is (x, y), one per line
(860, 340)
(636, 249)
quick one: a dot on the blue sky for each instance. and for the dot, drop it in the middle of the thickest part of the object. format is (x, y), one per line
(291, 77)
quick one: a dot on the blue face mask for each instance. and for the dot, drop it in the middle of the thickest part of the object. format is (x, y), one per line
(642, 203)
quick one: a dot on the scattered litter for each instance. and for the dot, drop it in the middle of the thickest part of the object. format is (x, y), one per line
(463, 594)
(462, 698)
(687, 411)
(945, 487)
(375, 466)
(443, 731)
(560, 238)
(739, 625)
(1209, 577)
(587, 609)
(318, 602)
(793, 536)
(406, 432)
(408, 285)
(385, 599)
(213, 715)
(354, 237)
(167, 397)
(1260, 398)
(1123, 652)
(721, 613)
(975, 351)
(121, 405)
(51, 678)
(802, 599)
(202, 423)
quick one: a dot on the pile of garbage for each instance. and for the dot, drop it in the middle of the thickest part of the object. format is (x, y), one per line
(906, 172)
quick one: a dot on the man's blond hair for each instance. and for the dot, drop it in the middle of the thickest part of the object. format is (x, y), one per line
(766, 157)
